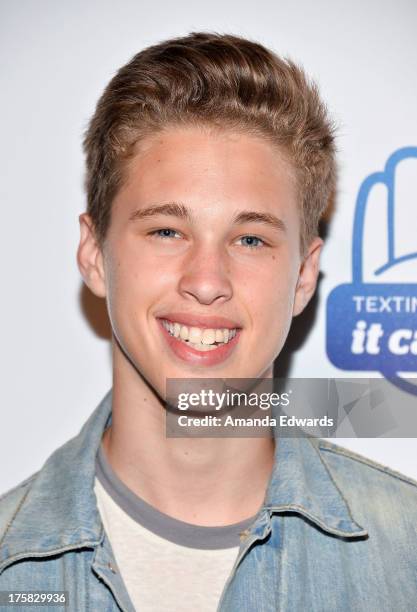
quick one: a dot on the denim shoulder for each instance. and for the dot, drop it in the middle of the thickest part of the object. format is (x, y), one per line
(11, 501)
(383, 499)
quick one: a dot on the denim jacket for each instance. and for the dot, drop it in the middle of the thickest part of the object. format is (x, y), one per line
(336, 532)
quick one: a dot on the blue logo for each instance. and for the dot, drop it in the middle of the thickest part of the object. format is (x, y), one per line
(372, 325)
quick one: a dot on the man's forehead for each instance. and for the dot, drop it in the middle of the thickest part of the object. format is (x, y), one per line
(225, 152)
(184, 168)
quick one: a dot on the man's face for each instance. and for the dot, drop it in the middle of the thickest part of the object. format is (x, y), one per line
(223, 254)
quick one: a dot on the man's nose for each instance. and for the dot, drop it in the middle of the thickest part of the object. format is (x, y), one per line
(206, 276)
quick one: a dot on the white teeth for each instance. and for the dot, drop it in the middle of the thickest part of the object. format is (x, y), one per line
(203, 347)
(209, 336)
(202, 339)
(219, 335)
(184, 333)
(195, 335)
(177, 329)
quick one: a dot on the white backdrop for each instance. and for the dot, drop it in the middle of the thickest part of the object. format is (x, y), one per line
(56, 58)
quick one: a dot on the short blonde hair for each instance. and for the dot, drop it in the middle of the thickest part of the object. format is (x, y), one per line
(212, 79)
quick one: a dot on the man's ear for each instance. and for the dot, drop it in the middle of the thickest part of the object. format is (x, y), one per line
(90, 257)
(307, 278)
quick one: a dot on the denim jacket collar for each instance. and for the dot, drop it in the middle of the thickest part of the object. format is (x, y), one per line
(59, 511)
(302, 483)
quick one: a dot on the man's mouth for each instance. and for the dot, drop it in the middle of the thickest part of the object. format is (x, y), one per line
(200, 339)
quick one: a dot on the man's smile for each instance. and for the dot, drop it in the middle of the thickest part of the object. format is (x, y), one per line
(199, 338)
(200, 344)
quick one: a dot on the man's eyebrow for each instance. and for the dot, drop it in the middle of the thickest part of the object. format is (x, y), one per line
(175, 209)
(178, 209)
(251, 216)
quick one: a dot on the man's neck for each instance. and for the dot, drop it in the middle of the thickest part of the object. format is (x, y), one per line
(204, 481)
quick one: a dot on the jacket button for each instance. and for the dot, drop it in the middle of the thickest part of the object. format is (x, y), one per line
(111, 568)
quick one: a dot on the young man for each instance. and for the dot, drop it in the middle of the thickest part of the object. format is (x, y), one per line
(210, 161)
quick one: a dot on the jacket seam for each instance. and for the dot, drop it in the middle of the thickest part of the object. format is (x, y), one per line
(44, 554)
(315, 519)
(18, 486)
(336, 486)
(10, 521)
(373, 464)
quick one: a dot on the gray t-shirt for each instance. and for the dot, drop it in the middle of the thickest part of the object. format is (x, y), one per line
(166, 564)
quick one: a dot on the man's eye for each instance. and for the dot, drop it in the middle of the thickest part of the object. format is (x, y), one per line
(163, 233)
(252, 242)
